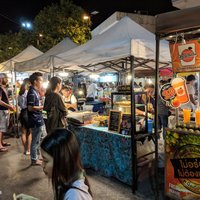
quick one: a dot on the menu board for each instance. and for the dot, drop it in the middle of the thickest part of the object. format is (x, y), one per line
(114, 120)
(125, 128)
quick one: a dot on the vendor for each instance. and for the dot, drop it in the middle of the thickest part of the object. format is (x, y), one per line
(69, 98)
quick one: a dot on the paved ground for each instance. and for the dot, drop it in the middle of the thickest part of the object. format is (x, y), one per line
(17, 176)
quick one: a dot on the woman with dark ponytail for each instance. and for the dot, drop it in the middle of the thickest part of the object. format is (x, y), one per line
(62, 164)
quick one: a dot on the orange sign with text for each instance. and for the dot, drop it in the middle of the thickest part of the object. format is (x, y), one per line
(185, 57)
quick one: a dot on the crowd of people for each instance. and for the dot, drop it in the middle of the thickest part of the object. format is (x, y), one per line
(53, 147)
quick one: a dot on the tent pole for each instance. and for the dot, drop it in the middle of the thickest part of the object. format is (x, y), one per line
(156, 114)
(17, 107)
(133, 125)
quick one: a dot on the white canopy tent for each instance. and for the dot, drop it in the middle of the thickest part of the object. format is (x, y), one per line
(111, 48)
(28, 53)
(45, 62)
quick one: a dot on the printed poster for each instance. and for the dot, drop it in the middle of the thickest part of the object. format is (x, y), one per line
(182, 165)
(175, 93)
(185, 57)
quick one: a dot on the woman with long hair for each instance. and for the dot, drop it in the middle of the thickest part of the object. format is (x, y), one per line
(26, 136)
(62, 164)
(54, 105)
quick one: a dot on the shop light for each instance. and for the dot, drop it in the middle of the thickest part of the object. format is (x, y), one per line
(45, 84)
(150, 81)
(94, 76)
(63, 74)
(80, 92)
(129, 77)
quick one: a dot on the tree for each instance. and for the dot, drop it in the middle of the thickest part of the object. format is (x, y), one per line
(56, 22)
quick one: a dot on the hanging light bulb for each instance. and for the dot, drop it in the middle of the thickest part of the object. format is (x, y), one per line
(129, 77)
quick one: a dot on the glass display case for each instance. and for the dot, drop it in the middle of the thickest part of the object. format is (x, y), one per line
(121, 101)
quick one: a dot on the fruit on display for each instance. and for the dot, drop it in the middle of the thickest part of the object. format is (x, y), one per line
(176, 138)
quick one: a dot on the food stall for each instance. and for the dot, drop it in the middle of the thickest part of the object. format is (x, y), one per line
(182, 143)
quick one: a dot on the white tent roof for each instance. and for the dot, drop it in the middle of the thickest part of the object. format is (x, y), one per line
(122, 40)
(45, 61)
(28, 53)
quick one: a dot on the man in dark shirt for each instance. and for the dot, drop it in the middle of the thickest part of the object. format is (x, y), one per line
(35, 119)
(4, 107)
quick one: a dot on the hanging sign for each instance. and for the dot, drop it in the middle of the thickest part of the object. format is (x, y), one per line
(175, 93)
(185, 57)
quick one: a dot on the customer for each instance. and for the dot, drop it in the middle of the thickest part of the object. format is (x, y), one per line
(35, 118)
(54, 105)
(163, 112)
(4, 107)
(62, 164)
(23, 117)
(69, 98)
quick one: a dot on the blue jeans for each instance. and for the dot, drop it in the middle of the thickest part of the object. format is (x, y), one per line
(163, 123)
(38, 133)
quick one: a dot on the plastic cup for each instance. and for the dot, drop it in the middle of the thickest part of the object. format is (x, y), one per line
(186, 116)
(197, 117)
(180, 87)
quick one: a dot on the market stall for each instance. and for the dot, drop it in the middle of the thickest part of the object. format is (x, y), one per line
(181, 28)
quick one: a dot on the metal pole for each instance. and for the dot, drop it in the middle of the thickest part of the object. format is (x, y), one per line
(133, 129)
(156, 114)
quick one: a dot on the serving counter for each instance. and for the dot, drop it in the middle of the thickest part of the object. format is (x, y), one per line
(106, 152)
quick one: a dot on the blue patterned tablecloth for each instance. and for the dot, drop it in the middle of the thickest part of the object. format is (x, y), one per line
(105, 151)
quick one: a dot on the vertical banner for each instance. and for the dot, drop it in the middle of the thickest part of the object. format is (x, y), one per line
(182, 168)
(185, 57)
(175, 93)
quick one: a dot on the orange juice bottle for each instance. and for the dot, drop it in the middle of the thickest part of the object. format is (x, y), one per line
(179, 86)
(186, 116)
(197, 117)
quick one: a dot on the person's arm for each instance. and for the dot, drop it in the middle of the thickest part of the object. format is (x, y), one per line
(30, 103)
(2, 103)
(192, 99)
(10, 107)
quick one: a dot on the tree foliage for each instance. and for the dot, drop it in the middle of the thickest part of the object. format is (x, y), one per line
(54, 22)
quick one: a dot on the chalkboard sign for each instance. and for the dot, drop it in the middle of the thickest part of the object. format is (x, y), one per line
(125, 127)
(114, 120)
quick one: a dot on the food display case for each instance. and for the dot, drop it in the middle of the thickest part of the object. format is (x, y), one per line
(121, 101)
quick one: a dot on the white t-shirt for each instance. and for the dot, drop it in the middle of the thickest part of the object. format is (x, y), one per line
(92, 90)
(76, 194)
(191, 91)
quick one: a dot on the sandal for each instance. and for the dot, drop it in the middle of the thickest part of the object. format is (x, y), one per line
(6, 144)
(3, 149)
(36, 163)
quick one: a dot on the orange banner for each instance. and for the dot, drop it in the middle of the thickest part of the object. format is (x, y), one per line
(185, 57)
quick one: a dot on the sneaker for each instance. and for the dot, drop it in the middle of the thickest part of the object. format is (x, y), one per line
(36, 162)
(27, 153)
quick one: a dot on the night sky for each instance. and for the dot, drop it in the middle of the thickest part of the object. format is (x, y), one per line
(12, 12)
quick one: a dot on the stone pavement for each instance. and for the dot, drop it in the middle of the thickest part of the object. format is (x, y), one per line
(17, 176)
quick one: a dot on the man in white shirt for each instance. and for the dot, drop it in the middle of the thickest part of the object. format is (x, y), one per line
(191, 91)
(91, 92)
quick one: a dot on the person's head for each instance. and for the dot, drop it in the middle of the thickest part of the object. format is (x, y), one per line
(66, 91)
(191, 79)
(24, 86)
(61, 158)
(3, 79)
(149, 89)
(36, 80)
(55, 83)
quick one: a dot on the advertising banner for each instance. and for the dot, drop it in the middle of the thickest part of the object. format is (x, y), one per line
(182, 165)
(175, 93)
(185, 57)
